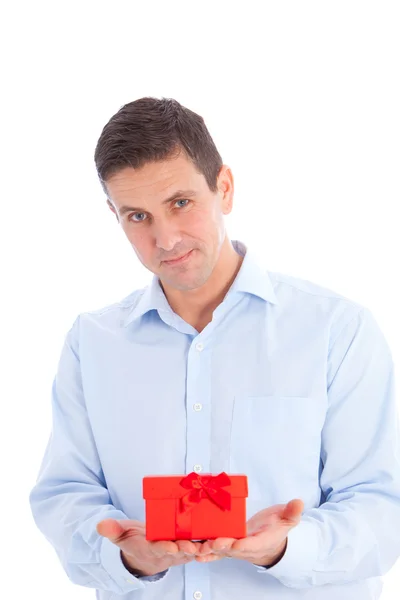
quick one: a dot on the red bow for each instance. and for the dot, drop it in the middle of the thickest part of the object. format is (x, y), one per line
(205, 486)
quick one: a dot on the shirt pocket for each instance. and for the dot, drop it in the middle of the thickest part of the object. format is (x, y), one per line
(276, 442)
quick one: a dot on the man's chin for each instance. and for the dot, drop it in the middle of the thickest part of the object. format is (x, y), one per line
(182, 283)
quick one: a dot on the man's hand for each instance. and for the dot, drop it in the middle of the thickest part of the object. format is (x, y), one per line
(266, 538)
(146, 557)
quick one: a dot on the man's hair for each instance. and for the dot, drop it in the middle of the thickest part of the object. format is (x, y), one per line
(151, 129)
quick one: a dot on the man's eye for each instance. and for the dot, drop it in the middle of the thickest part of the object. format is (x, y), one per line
(135, 215)
(182, 201)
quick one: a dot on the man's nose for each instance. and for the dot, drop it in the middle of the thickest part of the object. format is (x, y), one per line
(167, 238)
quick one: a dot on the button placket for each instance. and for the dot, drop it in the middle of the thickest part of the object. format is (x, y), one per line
(198, 409)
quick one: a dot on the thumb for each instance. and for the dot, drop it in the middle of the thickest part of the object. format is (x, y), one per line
(292, 512)
(119, 530)
(111, 529)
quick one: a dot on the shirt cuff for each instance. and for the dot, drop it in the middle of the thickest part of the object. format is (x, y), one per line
(301, 554)
(110, 557)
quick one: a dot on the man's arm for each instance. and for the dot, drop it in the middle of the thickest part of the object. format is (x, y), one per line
(70, 495)
(354, 534)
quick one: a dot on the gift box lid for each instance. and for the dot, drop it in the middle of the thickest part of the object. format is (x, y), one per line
(168, 486)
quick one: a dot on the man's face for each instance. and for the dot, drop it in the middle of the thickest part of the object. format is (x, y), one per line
(160, 231)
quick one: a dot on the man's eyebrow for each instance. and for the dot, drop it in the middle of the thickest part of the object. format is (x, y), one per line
(178, 194)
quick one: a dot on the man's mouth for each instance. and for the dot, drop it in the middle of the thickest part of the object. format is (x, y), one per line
(179, 260)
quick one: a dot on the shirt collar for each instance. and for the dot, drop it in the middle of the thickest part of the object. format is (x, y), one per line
(252, 278)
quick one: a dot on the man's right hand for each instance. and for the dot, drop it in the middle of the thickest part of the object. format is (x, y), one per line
(143, 556)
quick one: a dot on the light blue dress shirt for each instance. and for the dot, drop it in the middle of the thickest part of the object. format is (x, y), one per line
(291, 384)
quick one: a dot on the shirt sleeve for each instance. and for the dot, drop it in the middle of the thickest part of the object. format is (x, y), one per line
(70, 495)
(343, 540)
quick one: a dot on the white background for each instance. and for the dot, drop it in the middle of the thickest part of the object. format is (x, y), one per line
(302, 100)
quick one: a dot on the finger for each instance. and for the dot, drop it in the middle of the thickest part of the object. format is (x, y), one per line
(250, 545)
(164, 548)
(186, 547)
(198, 546)
(208, 558)
(205, 548)
(217, 545)
(185, 558)
(222, 544)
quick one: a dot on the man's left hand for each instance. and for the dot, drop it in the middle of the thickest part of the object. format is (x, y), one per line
(266, 539)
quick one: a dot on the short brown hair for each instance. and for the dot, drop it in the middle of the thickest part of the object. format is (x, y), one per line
(151, 129)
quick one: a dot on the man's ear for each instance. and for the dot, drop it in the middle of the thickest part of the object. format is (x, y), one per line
(226, 188)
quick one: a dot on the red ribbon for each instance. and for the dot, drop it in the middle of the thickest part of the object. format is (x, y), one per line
(205, 486)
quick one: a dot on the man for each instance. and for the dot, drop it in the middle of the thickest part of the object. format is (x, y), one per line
(217, 365)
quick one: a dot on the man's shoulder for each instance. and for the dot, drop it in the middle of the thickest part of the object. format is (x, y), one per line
(313, 299)
(113, 314)
(285, 283)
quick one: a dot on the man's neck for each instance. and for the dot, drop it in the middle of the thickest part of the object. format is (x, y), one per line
(197, 308)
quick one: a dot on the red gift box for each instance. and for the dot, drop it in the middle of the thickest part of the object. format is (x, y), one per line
(195, 507)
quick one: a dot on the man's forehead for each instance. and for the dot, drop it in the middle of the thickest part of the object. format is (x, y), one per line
(155, 184)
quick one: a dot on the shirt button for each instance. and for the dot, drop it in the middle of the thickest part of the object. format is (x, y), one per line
(199, 346)
(197, 406)
(197, 468)
(197, 595)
